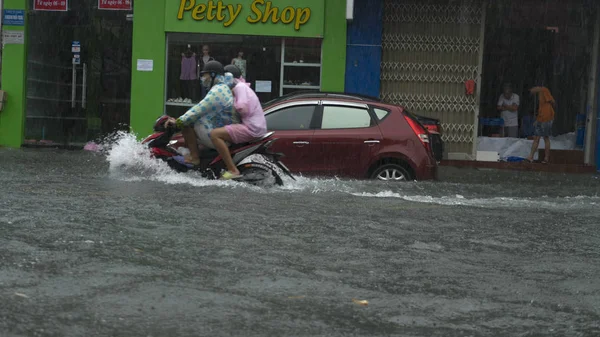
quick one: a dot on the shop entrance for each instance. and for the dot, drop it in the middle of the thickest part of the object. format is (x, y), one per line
(530, 43)
(273, 66)
(70, 103)
(521, 58)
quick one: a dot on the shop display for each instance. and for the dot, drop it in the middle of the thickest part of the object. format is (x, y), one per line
(180, 100)
(188, 77)
(302, 65)
(240, 63)
(286, 64)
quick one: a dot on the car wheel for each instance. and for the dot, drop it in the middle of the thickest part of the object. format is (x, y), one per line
(391, 172)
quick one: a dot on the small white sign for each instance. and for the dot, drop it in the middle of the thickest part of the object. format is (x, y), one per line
(13, 37)
(145, 65)
(76, 49)
(349, 9)
(263, 86)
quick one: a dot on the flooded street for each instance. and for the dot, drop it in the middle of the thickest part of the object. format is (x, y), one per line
(92, 245)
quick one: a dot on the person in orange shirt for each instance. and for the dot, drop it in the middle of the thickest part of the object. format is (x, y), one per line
(543, 122)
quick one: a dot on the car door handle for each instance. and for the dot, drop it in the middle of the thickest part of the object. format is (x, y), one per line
(371, 142)
(301, 143)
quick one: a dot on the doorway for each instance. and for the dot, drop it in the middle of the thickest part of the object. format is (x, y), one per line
(521, 57)
(67, 103)
(531, 43)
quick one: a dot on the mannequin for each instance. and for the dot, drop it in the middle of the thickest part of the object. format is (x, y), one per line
(188, 76)
(201, 62)
(205, 57)
(240, 63)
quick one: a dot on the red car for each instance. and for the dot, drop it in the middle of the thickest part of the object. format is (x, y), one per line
(327, 134)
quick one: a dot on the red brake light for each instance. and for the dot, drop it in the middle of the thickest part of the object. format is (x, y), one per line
(419, 131)
(434, 127)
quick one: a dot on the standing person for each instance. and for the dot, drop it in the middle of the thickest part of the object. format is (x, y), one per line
(543, 122)
(508, 104)
(202, 61)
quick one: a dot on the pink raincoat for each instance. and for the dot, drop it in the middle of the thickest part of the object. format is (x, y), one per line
(254, 124)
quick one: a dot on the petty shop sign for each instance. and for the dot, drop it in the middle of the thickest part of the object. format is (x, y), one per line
(50, 5)
(123, 5)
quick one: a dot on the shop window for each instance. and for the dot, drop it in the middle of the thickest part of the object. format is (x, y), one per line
(273, 66)
(340, 117)
(301, 67)
(293, 118)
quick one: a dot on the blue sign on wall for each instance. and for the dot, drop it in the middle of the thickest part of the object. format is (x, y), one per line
(76, 47)
(14, 17)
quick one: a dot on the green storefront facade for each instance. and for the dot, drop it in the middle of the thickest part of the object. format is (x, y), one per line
(133, 70)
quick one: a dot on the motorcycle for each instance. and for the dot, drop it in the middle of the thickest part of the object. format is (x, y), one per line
(257, 164)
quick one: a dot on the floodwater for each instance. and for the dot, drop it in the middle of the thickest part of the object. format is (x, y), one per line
(116, 245)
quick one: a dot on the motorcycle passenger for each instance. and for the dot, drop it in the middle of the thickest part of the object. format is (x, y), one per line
(254, 124)
(235, 71)
(215, 111)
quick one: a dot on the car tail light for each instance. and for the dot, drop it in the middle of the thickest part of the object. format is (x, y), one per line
(431, 127)
(434, 127)
(420, 131)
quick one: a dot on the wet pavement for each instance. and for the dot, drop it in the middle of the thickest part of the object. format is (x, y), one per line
(120, 246)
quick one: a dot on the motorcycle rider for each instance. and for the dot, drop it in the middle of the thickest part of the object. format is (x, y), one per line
(216, 110)
(254, 124)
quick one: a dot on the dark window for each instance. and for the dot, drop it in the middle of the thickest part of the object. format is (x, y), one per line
(292, 118)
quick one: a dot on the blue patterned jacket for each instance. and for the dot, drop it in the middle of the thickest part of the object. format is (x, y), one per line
(216, 109)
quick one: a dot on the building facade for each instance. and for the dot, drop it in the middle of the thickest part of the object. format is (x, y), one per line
(87, 68)
(73, 73)
(449, 60)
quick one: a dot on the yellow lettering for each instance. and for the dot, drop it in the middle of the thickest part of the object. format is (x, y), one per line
(233, 14)
(184, 6)
(196, 14)
(302, 17)
(287, 15)
(220, 8)
(260, 11)
(256, 11)
(272, 12)
(211, 8)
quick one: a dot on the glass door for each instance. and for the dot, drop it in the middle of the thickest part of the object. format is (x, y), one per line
(71, 102)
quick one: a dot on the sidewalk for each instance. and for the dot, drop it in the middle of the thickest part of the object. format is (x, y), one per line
(523, 166)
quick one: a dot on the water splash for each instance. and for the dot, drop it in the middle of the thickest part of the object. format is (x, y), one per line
(129, 160)
(494, 202)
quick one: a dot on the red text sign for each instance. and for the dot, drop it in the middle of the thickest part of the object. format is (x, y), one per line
(115, 4)
(50, 5)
